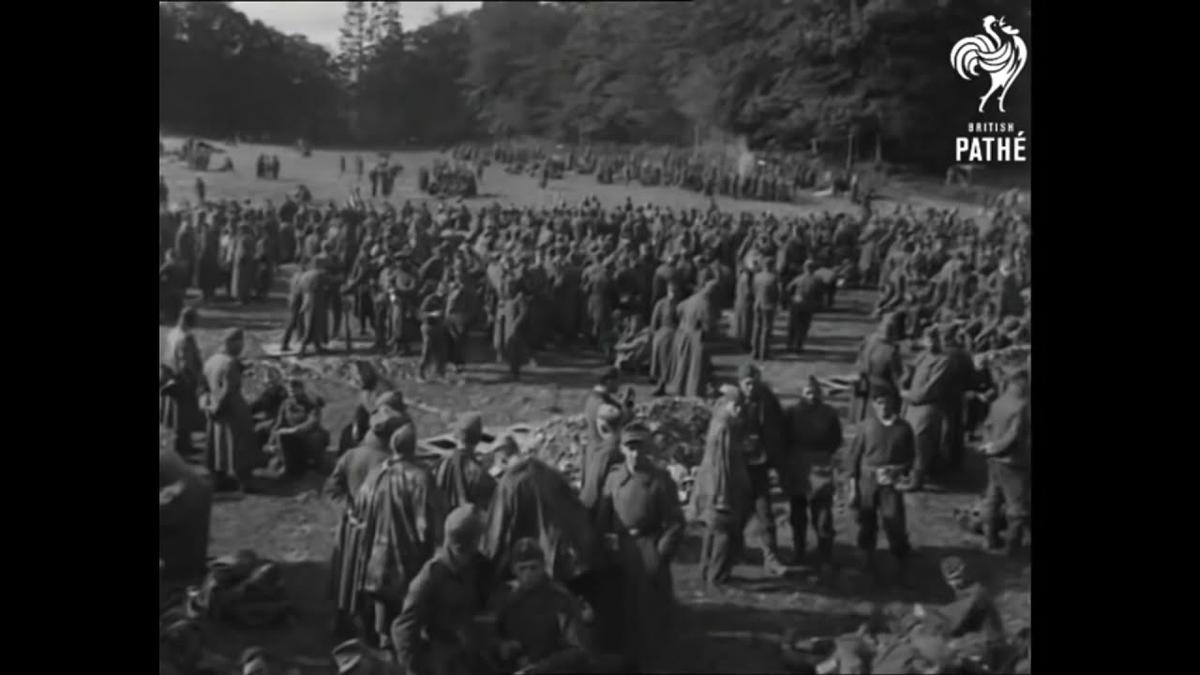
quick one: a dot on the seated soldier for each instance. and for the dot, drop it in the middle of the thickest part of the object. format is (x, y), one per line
(265, 408)
(298, 439)
(539, 623)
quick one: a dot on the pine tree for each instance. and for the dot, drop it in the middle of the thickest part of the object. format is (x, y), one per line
(352, 42)
(391, 27)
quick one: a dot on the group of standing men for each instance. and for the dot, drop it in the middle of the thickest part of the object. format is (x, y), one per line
(571, 582)
(267, 167)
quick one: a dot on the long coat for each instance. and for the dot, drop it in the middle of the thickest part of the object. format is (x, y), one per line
(245, 268)
(642, 508)
(342, 486)
(664, 320)
(179, 409)
(926, 403)
(722, 481)
(510, 331)
(208, 268)
(402, 518)
(692, 367)
(232, 448)
(743, 307)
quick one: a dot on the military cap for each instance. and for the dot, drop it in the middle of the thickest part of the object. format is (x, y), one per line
(470, 423)
(747, 370)
(463, 524)
(954, 569)
(404, 439)
(608, 413)
(527, 549)
(636, 433)
(882, 388)
(393, 400)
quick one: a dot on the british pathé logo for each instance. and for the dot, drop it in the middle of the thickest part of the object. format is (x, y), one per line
(1000, 52)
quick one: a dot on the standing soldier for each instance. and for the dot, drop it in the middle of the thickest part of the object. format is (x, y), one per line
(926, 413)
(460, 476)
(358, 167)
(764, 446)
(402, 515)
(878, 361)
(342, 166)
(815, 434)
(766, 301)
(743, 307)
(721, 498)
(231, 442)
(881, 454)
(805, 292)
(200, 190)
(1007, 448)
(433, 334)
(342, 486)
(433, 633)
(642, 525)
(458, 321)
(960, 377)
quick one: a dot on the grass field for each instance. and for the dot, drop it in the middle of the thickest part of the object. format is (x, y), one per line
(296, 527)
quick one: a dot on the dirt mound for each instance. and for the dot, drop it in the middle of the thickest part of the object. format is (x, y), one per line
(677, 424)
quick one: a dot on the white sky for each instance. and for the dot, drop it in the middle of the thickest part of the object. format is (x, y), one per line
(320, 21)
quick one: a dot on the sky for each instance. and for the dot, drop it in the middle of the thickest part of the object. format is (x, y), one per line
(320, 21)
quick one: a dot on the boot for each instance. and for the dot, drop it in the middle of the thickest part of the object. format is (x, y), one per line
(903, 579)
(799, 545)
(991, 534)
(870, 567)
(1016, 539)
(771, 565)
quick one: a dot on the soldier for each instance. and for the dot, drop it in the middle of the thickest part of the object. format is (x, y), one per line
(342, 165)
(878, 361)
(806, 293)
(200, 190)
(642, 525)
(307, 310)
(815, 434)
(1007, 447)
(960, 378)
(721, 498)
(973, 610)
(766, 301)
(434, 633)
(342, 486)
(539, 623)
(926, 402)
(763, 445)
(460, 476)
(298, 436)
(458, 321)
(433, 334)
(881, 454)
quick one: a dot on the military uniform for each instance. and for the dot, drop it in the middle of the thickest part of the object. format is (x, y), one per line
(304, 447)
(815, 434)
(547, 622)
(640, 511)
(435, 633)
(1007, 429)
(766, 301)
(879, 457)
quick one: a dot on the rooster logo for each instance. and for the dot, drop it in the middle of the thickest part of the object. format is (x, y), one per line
(1000, 55)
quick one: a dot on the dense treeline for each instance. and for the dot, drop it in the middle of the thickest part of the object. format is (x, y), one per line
(779, 72)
